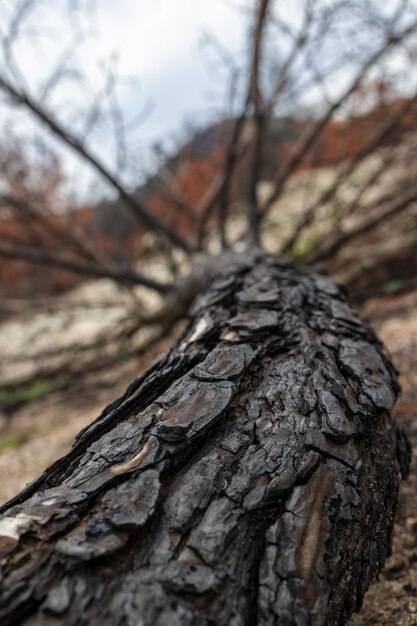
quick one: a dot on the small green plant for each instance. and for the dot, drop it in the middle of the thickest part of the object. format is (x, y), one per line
(12, 396)
(392, 286)
(14, 440)
(302, 251)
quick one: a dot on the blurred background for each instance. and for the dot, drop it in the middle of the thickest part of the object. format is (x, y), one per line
(136, 138)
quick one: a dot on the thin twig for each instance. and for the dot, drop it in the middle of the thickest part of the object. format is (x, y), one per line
(348, 169)
(400, 203)
(46, 257)
(313, 131)
(55, 126)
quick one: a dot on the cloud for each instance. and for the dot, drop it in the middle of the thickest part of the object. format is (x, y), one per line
(156, 40)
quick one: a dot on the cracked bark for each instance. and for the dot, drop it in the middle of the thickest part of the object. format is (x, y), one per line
(249, 477)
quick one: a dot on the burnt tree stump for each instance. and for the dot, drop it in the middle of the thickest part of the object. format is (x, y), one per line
(249, 477)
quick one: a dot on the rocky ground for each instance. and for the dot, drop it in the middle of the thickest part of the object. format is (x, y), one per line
(42, 430)
(392, 600)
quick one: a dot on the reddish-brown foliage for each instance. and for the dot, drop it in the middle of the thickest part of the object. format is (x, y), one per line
(193, 173)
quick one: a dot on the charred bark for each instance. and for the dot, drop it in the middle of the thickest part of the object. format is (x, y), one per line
(249, 477)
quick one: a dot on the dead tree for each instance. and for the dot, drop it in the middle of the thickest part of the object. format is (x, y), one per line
(322, 31)
(250, 476)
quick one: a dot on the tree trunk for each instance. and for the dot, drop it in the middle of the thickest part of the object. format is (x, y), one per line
(249, 477)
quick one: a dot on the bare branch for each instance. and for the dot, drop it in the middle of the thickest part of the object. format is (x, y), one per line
(299, 42)
(130, 201)
(61, 66)
(174, 189)
(46, 257)
(255, 102)
(65, 231)
(21, 13)
(348, 169)
(313, 131)
(218, 192)
(399, 204)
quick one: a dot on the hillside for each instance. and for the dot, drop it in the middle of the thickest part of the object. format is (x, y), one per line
(176, 192)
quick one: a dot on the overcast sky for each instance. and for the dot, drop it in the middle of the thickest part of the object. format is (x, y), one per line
(158, 41)
(179, 80)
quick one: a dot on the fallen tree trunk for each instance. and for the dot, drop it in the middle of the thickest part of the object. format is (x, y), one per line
(249, 477)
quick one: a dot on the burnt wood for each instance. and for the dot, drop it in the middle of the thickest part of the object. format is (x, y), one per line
(249, 477)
